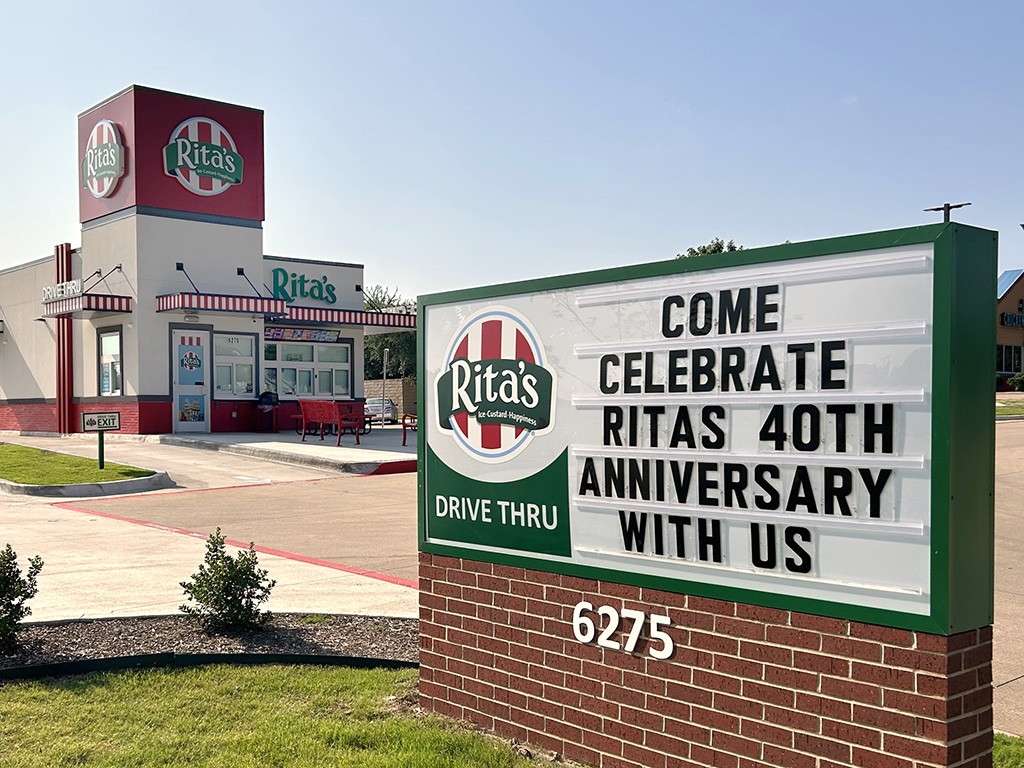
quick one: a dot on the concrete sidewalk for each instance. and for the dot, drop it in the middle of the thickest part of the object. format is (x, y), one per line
(380, 450)
(125, 561)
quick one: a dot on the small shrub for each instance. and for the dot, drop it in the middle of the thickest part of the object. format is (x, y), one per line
(228, 591)
(1017, 382)
(15, 591)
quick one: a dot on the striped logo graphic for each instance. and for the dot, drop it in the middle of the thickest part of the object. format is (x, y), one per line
(203, 157)
(494, 393)
(102, 160)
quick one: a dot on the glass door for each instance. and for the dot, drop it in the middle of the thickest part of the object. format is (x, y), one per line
(191, 391)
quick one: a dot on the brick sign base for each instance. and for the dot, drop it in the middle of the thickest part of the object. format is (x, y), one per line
(746, 687)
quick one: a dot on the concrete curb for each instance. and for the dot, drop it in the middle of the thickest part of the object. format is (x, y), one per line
(269, 454)
(171, 660)
(154, 482)
(265, 454)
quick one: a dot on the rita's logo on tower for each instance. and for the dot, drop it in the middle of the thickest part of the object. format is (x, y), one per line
(495, 392)
(103, 160)
(203, 157)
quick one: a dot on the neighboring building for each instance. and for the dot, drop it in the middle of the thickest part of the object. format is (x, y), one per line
(1010, 322)
(170, 312)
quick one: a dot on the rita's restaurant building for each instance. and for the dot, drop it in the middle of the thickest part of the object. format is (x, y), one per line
(170, 312)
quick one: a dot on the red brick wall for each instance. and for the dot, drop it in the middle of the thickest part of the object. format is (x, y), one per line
(29, 417)
(746, 687)
(145, 418)
(155, 418)
(137, 417)
(221, 419)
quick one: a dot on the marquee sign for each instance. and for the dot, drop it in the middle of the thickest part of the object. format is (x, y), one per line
(770, 426)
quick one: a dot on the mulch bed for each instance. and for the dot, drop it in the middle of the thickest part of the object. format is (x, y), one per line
(369, 637)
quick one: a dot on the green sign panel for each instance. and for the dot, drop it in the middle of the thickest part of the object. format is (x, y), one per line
(807, 426)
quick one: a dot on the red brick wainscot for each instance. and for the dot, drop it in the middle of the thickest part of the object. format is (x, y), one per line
(747, 686)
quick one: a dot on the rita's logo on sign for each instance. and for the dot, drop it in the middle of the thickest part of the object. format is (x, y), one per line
(291, 286)
(103, 160)
(494, 392)
(190, 361)
(203, 157)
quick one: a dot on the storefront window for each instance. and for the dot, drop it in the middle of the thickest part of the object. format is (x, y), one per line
(224, 379)
(302, 370)
(1008, 359)
(289, 382)
(233, 346)
(243, 377)
(341, 385)
(234, 365)
(334, 353)
(108, 350)
(297, 353)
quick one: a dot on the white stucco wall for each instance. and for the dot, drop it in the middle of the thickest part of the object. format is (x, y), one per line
(28, 348)
(147, 248)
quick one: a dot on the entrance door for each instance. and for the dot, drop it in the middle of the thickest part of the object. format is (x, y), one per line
(191, 391)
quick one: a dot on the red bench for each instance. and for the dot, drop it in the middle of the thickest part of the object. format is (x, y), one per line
(327, 413)
(410, 421)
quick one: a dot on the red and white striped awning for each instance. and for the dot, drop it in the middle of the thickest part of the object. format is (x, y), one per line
(350, 317)
(216, 302)
(87, 302)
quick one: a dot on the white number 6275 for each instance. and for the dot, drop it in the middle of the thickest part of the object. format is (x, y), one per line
(585, 629)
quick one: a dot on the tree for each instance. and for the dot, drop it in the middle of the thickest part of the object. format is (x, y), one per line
(718, 245)
(378, 298)
(401, 346)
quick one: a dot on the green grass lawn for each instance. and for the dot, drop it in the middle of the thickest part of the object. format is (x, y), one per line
(1011, 409)
(235, 717)
(31, 466)
(251, 717)
(1007, 752)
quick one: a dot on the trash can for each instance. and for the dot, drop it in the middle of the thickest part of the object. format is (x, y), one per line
(266, 407)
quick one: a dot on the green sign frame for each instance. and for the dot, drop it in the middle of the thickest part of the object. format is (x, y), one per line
(962, 425)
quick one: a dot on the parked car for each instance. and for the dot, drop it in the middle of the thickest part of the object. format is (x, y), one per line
(382, 408)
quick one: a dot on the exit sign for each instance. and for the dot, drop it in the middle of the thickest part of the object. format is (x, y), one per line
(101, 422)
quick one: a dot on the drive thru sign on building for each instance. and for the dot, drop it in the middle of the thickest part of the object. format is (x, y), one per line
(806, 429)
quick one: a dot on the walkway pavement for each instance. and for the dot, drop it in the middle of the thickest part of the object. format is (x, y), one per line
(380, 449)
(335, 542)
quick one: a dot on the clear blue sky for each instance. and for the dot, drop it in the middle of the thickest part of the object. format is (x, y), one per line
(453, 144)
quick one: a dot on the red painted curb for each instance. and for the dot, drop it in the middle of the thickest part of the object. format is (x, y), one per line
(395, 467)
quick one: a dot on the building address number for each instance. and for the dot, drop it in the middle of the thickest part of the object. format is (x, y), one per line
(586, 630)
